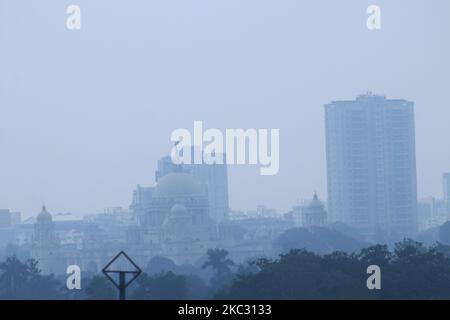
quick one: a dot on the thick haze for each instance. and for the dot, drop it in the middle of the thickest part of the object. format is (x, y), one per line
(85, 115)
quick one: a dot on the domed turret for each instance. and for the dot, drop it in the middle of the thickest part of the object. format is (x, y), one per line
(315, 202)
(178, 214)
(314, 214)
(180, 205)
(44, 216)
(45, 243)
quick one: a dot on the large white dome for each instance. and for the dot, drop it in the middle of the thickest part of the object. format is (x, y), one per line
(176, 185)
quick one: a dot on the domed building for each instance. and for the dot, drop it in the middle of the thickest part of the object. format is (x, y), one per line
(176, 222)
(314, 214)
(177, 217)
(45, 246)
(175, 189)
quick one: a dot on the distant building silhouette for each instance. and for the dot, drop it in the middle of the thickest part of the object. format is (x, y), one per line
(177, 217)
(45, 246)
(314, 214)
(310, 214)
(166, 166)
(141, 199)
(446, 181)
(371, 165)
(213, 176)
(9, 218)
(5, 219)
(431, 213)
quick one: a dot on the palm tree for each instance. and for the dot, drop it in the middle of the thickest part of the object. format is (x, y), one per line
(13, 278)
(217, 260)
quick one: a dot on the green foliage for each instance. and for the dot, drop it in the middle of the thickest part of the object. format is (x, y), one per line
(411, 271)
(158, 265)
(376, 255)
(100, 288)
(218, 261)
(20, 280)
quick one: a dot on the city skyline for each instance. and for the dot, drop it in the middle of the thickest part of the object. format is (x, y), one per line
(158, 174)
(86, 114)
(224, 154)
(371, 164)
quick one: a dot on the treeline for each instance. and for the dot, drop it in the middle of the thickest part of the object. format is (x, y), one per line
(23, 280)
(409, 271)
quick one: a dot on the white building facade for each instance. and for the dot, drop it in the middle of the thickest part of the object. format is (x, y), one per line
(371, 165)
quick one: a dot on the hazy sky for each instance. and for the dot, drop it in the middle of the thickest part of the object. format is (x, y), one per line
(84, 115)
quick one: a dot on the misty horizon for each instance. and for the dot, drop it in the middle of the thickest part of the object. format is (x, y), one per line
(85, 116)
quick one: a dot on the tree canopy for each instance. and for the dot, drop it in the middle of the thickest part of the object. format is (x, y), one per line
(410, 271)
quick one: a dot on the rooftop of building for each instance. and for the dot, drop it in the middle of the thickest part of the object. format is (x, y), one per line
(368, 97)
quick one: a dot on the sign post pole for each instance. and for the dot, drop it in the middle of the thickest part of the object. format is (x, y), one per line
(122, 282)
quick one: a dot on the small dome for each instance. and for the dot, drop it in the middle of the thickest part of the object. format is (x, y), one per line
(178, 214)
(176, 185)
(44, 215)
(315, 202)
